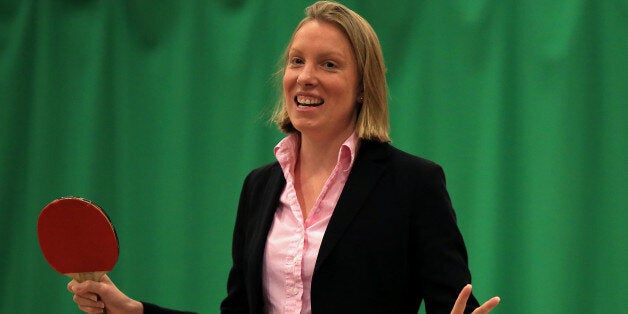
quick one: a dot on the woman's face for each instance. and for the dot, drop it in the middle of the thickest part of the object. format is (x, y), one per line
(320, 82)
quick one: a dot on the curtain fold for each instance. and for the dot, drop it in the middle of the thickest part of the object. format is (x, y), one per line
(156, 110)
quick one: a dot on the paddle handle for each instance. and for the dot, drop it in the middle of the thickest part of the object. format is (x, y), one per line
(93, 276)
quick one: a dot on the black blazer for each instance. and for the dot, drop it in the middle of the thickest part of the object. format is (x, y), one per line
(391, 242)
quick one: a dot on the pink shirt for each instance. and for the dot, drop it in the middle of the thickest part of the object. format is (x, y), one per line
(293, 242)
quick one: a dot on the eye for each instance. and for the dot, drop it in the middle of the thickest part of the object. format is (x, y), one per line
(330, 65)
(296, 61)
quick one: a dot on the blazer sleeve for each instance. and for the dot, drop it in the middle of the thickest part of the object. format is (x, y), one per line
(236, 300)
(150, 308)
(442, 254)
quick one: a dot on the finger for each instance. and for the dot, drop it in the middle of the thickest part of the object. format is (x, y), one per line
(89, 307)
(461, 301)
(105, 279)
(89, 296)
(90, 300)
(487, 306)
(91, 310)
(88, 286)
(83, 290)
(71, 285)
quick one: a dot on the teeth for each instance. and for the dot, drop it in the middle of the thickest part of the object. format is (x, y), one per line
(308, 101)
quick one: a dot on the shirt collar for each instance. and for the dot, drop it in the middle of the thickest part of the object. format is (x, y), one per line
(286, 152)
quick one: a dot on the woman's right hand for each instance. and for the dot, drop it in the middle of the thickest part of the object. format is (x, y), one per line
(462, 301)
(95, 297)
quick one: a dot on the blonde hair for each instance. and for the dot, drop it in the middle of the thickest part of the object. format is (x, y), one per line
(372, 118)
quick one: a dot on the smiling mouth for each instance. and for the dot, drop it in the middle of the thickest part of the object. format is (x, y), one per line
(306, 101)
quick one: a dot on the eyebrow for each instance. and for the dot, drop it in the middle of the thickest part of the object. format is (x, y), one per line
(324, 55)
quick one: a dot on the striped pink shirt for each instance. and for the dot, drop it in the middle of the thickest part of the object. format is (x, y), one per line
(293, 242)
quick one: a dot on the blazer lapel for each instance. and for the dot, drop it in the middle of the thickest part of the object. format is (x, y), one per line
(365, 173)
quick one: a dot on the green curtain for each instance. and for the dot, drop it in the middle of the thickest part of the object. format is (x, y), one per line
(156, 110)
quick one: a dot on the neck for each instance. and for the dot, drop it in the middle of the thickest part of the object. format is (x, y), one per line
(317, 155)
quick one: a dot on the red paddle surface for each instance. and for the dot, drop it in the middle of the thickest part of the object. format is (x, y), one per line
(77, 237)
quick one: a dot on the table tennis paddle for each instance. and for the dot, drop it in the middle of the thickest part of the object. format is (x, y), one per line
(77, 238)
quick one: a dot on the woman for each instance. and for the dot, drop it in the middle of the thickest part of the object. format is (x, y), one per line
(343, 222)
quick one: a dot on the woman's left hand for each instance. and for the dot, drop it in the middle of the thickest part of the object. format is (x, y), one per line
(461, 303)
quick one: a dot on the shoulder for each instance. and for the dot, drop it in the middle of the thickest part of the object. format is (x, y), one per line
(264, 171)
(401, 172)
(259, 180)
(397, 159)
(410, 160)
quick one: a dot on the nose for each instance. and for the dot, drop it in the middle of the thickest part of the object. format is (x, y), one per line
(307, 76)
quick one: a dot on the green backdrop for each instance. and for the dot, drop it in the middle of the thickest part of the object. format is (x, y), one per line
(156, 110)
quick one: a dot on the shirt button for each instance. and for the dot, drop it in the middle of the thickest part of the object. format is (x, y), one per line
(295, 291)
